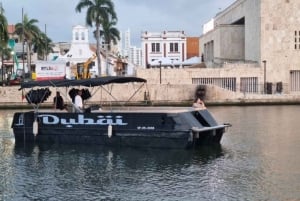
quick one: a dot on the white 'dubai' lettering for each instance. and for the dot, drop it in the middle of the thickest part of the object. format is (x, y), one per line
(47, 119)
(81, 120)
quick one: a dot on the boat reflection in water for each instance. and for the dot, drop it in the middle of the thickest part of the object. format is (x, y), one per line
(131, 157)
(111, 173)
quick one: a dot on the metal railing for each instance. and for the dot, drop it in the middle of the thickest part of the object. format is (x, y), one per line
(246, 85)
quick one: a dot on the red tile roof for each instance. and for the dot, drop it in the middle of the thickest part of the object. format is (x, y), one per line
(11, 29)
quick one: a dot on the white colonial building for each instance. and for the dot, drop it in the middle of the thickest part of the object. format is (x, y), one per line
(167, 48)
(79, 51)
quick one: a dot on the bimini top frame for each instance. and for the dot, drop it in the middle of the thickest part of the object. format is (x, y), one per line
(92, 82)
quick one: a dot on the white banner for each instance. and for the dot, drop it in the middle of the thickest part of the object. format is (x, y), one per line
(50, 71)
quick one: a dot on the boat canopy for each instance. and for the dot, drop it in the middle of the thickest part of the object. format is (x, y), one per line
(84, 82)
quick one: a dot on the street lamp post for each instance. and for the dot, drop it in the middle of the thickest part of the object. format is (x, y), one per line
(13, 60)
(265, 76)
(159, 72)
(2, 68)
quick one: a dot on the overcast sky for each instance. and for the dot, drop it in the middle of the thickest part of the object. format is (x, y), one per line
(137, 15)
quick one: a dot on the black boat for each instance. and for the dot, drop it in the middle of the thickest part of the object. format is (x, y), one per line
(157, 127)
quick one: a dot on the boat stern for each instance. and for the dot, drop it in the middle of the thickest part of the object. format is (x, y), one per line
(205, 130)
(22, 126)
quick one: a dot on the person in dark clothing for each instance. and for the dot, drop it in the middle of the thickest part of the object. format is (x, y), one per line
(58, 101)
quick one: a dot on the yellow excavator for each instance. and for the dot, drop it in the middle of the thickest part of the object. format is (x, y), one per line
(83, 69)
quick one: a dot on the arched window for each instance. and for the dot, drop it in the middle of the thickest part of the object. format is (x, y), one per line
(76, 36)
(82, 36)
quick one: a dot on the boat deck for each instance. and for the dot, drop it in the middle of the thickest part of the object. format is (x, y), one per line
(133, 109)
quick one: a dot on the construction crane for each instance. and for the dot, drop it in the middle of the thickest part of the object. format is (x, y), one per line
(83, 69)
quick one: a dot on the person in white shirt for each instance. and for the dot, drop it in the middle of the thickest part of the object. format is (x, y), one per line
(78, 101)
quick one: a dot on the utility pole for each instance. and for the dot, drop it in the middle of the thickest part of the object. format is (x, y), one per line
(2, 49)
(46, 52)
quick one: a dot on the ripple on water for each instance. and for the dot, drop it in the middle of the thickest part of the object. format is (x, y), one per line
(258, 160)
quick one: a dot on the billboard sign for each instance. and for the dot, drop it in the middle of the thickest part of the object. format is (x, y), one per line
(50, 70)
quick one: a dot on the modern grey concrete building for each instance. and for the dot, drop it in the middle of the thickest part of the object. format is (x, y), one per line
(260, 33)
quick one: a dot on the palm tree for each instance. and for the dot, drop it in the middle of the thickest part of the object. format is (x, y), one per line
(28, 30)
(3, 37)
(3, 28)
(5, 52)
(97, 12)
(110, 33)
(42, 45)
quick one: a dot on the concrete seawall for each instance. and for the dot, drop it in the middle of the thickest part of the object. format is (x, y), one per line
(176, 88)
(152, 94)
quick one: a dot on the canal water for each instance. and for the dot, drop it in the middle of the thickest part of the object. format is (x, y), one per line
(258, 160)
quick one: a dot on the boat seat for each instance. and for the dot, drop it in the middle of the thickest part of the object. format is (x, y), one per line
(77, 109)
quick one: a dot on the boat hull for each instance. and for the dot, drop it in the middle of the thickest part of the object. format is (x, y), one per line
(135, 129)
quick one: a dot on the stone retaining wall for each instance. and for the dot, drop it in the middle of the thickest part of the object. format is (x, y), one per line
(156, 93)
(176, 86)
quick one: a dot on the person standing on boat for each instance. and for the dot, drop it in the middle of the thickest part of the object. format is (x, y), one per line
(78, 101)
(198, 103)
(58, 101)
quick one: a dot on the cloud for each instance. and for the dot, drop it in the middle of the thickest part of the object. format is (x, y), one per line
(137, 15)
(158, 15)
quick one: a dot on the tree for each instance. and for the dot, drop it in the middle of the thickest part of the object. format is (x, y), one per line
(3, 28)
(42, 45)
(27, 31)
(6, 52)
(110, 34)
(97, 12)
(3, 38)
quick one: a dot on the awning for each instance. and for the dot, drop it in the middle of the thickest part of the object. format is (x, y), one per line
(191, 61)
(84, 82)
(163, 61)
